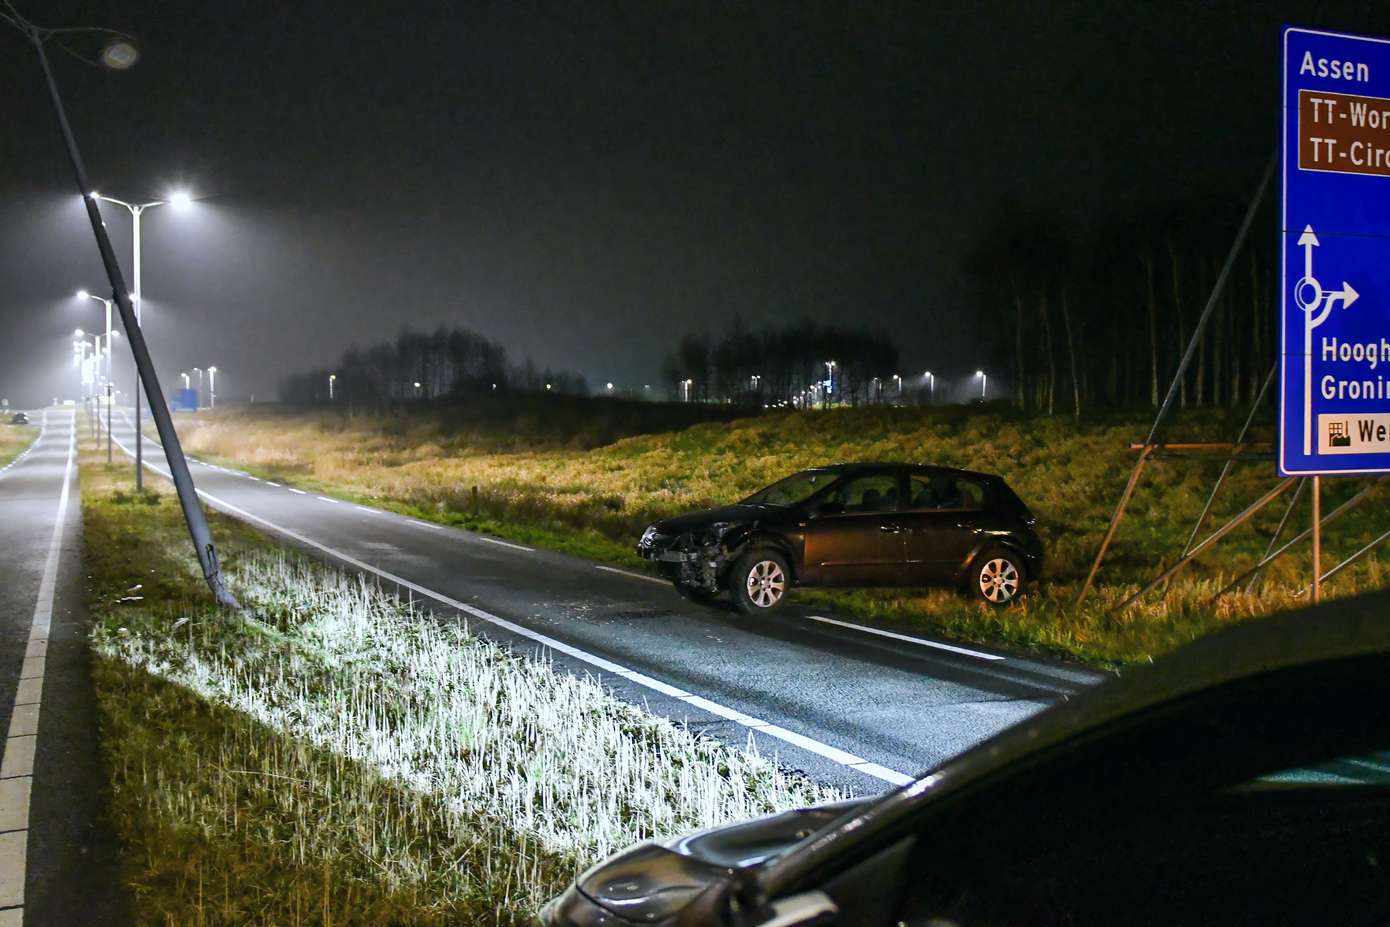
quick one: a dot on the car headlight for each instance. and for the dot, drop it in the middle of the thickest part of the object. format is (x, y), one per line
(648, 536)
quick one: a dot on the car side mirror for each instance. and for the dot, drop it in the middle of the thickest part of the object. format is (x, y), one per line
(808, 909)
(830, 508)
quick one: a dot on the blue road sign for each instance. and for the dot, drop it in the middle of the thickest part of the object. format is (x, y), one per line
(1334, 414)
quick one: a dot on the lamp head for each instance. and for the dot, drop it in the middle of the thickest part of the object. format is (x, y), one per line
(78, 333)
(979, 373)
(119, 54)
(83, 294)
(180, 199)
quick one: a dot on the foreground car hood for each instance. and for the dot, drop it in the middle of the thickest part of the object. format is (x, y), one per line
(694, 521)
(654, 882)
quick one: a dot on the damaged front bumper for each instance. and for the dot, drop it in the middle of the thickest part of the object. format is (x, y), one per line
(684, 560)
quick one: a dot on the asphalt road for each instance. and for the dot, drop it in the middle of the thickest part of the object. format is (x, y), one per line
(848, 706)
(58, 856)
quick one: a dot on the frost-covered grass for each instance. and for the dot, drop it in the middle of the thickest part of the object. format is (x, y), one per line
(337, 756)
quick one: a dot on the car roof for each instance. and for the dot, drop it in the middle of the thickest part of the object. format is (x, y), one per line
(1338, 631)
(859, 466)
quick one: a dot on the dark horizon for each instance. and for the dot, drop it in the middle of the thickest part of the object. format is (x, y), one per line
(586, 185)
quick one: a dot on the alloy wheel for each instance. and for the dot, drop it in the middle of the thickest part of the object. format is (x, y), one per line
(766, 583)
(999, 581)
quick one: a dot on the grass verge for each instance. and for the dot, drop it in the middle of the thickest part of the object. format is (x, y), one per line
(14, 439)
(595, 500)
(334, 756)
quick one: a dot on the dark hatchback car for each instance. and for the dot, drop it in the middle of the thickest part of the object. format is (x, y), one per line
(866, 524)
(19, 418)
(1242, 780)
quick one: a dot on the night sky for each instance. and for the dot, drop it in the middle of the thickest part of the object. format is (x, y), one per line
(586, 181)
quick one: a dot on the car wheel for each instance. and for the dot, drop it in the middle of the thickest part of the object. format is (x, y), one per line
(697, 594)
(996, 577)
(759, 581)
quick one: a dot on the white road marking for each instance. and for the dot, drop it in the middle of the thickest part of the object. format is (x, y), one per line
(632, 575)
(363, 508)
(326, 499)
(529, 550)
(808, 744)
(424, 524)
(17, 766)
(904, 637)
(298, 492)
(269, 483)
(250, 477)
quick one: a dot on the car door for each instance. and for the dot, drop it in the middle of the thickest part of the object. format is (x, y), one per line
(941, 521)
(854, 536)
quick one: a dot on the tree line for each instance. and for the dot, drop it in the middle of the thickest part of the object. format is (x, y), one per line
(800, 364)
(446, 363)
(1101, 318)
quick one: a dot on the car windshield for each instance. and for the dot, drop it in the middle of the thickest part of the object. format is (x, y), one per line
(794, 489)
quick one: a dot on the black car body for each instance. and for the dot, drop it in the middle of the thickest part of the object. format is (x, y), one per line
(19, 418)
(1242, 780)
(865, 524)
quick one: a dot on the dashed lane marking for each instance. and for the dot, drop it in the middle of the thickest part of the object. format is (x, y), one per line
(907, 638)
(529, 550)
(632, 575)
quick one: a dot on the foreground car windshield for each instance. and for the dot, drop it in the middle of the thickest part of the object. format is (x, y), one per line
(796, 488)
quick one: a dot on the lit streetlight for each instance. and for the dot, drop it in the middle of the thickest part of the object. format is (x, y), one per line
(180, 200)
(829, 381)
(212, 387)
(984, 382)
(610, 387)
(198, 397)
(332, 378)
(931, 386)
(186, 382)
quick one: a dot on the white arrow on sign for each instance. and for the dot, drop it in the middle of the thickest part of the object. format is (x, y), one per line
(1317, 306)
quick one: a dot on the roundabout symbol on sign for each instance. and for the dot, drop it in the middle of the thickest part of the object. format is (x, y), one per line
(1316, 304)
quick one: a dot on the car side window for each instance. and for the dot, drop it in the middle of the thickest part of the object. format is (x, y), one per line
(930, 491)
(876, 492)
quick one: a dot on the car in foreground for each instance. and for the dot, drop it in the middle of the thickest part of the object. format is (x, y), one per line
(865, 524)
(19, 418)
(1244, 779)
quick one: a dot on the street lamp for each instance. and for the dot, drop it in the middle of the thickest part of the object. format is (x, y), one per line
(931, 386)
(984, 382)
(198, 398)
(610, 387)
(829, 381)
(333, 377)
(186, 383)
(180, 200)
(685, 385)
(212, 387)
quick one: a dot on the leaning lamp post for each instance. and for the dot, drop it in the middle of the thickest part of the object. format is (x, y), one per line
(120, 53)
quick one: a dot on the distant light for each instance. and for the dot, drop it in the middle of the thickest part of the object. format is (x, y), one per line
(94, 195)
(979, 373)
(610, 385)
(417, 384)
(82, 294)
(212, 370)
(77, 332)
(547, 386)
(494, 386)
(180, 199)
(120, 54)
